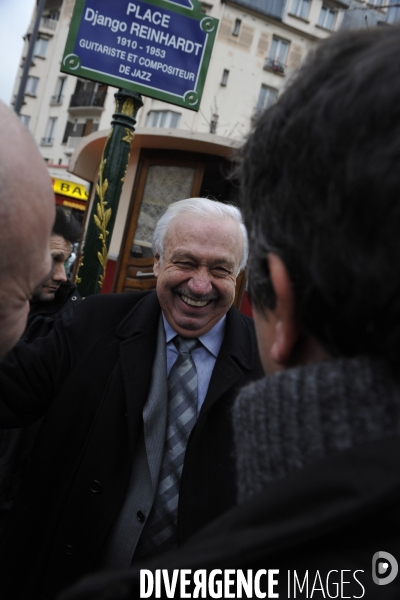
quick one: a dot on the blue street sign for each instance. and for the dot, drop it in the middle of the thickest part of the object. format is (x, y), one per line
(158, 48)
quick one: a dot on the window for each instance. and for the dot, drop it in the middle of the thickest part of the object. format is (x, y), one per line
(54, 15)
(393, 14)
(79, 128)
(58, 96)
(375, 2)
(327, 18)
(31, 85)
(276, 59)
(25, 120)
(163, 118)
(49, 136)
(266, 97)
(301, 8)
(40, 47)
(225, 76)
(88, 93)
(236, 27)
(206, 6)
(214, 123)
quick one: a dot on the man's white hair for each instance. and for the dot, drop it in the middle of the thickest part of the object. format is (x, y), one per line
(203, 207)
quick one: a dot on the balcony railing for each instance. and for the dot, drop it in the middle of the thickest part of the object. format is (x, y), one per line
(47, 141)
(72, 143)
(275, 65)
(272, 8)
(88, 99)
(49, 24)
(56, 100)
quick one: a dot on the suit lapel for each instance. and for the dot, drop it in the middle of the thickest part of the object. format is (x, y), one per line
(235, 358)
(137, 352)
(139, 330)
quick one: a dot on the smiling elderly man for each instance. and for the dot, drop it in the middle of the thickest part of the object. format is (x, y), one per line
(127, 384)
(209, 248)
(318, 438)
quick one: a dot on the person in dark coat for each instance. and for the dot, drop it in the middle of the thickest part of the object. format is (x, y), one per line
(50, 303)
(317, 440)
(101, 377)
(56, 294)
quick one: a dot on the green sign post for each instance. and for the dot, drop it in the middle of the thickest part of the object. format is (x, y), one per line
(159, 48)
(113, 166)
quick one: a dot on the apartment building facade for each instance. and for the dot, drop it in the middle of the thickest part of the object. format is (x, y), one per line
(176, 152)
(259, 44)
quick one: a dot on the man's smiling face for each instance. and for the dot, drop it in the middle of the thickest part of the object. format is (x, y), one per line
(196, 277)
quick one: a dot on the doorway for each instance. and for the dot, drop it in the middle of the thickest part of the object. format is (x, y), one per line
(164, 177)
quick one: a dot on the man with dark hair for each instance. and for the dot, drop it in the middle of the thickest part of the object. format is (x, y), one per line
(57, 294)
(51, 301)
(317, 440)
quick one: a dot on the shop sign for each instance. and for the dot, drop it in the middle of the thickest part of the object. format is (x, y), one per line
(71, 189)
(77, 205)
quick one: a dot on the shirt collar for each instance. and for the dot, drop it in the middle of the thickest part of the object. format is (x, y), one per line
(211, 340)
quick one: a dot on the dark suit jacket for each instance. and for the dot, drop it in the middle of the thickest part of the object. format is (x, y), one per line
(329, 517)
(43, 315)
(91, 377)
(16, 444)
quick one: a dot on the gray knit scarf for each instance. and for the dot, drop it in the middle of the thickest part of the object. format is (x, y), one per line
(295, 417)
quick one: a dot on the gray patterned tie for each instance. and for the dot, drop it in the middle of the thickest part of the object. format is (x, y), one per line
(159, 533)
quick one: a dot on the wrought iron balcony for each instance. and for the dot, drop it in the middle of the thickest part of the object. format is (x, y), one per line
(270, 8)
(56, 100)
(49, 24)
(275, 65)
(47, 141)
(84, 98)
(72, 144)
